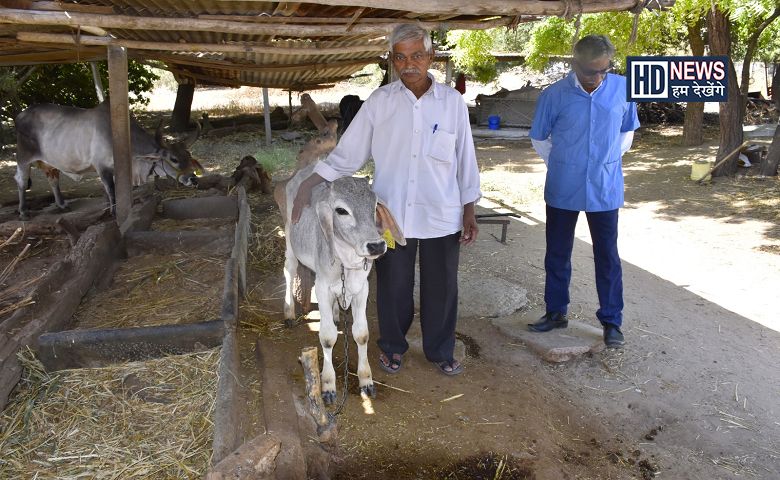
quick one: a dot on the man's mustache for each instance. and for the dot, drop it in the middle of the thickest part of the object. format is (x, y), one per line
(409, 70)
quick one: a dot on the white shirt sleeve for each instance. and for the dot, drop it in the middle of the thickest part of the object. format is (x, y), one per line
(468, 170)
(626, 139)
(543, 148)
(353, 149)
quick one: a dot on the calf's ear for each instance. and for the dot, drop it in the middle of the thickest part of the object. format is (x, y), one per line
(325, 220)
(385, 221)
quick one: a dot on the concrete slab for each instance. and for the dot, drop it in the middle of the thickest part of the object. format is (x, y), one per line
(559, 345)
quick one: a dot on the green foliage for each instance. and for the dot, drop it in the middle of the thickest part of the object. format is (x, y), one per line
(472, 54)
(69, 84)
(656, 34)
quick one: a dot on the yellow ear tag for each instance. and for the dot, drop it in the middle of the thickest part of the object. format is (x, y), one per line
(389, 238)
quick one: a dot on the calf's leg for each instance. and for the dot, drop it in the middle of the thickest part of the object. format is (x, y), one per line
(290, 269)
(53, 176)
(360, 334)
(107, 177)
(328, 335)
(22, 176)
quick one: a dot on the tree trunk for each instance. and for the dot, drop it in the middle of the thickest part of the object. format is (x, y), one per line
(694, 111)
(731, 133)
(752, 45)
(772, 161)
(180, 118)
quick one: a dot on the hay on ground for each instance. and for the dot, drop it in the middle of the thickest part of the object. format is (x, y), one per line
(150, 290)
(147, 419)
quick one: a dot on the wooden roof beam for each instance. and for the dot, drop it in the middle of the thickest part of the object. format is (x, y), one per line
(253, 47)
(30, 17)
(486, 7)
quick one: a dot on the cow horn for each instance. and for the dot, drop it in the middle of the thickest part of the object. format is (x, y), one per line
(193, 137)
(158, 134)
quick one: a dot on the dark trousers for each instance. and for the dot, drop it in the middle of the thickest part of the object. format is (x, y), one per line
(438, 295)
(557, 262)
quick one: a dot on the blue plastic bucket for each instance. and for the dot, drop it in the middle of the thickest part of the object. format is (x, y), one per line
(494, 122)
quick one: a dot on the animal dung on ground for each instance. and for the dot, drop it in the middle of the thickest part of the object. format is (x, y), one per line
(147, 419)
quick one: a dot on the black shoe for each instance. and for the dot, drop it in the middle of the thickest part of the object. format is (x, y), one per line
(613, 337)
(549, 321)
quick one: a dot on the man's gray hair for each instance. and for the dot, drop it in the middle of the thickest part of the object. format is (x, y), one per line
(593, 46)
(411, 31)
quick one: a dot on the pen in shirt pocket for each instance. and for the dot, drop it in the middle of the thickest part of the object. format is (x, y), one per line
(435, 127)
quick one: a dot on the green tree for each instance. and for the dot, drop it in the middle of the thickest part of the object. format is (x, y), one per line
(66, 84)
(472, 49)
(554, 37)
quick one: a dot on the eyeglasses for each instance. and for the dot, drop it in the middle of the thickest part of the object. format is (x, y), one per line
(592, 73)
(415, 57)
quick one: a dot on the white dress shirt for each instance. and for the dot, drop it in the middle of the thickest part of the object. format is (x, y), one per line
(425, 163)
(544, 147)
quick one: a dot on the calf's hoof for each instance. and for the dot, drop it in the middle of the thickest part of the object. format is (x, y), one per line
(368, 390)
(329, 397)
(64, 208)
(24, 216)
(289, 322)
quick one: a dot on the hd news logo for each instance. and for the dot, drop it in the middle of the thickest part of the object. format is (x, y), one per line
(677, 79)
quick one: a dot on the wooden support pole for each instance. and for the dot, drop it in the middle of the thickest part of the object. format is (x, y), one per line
(267, 116)
(98, 82)
(326, 428)
(448, 74)
(120, 131)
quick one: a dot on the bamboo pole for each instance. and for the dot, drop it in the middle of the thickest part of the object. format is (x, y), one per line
(248, 47)
(130, 22)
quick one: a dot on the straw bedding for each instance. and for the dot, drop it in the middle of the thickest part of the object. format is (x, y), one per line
(147, 419)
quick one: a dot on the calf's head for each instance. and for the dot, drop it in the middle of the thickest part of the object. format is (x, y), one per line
(348, 215)
(175, 159)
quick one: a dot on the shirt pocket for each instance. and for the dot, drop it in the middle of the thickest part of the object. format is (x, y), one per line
(442, 146)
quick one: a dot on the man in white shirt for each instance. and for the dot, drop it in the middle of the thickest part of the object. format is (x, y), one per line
(418, 133)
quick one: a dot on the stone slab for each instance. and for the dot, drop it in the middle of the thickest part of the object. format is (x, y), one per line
(559, 345)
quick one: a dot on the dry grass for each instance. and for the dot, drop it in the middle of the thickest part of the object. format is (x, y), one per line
(138, 420)
(151, 290)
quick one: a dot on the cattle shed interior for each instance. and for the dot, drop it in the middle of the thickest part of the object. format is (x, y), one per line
(292, 45)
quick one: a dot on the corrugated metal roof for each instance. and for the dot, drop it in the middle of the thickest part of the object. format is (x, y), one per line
(226, 42)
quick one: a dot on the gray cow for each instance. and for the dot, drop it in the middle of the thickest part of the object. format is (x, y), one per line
(338, 237)
(74, 141)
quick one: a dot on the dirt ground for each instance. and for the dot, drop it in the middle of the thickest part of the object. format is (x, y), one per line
(693, 395)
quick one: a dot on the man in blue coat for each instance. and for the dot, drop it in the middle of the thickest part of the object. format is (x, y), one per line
(582, 126)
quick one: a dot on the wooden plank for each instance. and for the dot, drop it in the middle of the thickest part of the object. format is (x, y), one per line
(130, 22)
(101, 347)
(243, 47)
(241, 240)
(72, 7)
(255, 68)
(227, 431)
(120, 131)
